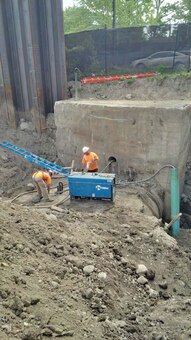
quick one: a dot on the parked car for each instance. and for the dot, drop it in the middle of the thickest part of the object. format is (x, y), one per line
(167, 59)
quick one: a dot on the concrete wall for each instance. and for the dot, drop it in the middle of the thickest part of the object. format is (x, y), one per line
(143, 135)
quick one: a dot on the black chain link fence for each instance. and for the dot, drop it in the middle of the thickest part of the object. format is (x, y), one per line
(129, 50)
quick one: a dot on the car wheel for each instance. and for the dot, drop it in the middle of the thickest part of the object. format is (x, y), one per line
(141, 67)
(180, 67)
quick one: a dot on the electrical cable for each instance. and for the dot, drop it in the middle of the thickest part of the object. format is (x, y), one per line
(149, 178)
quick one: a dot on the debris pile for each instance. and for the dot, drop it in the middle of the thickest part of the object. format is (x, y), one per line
(93, 271)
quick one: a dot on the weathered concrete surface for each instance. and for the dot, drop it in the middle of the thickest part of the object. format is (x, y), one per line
(141, 134)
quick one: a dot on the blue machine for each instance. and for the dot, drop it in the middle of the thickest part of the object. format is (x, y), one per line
(92, 185)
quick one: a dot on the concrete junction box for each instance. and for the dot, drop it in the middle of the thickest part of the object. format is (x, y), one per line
(144, 135)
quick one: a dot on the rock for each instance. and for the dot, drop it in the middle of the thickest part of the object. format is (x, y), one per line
(88, 269)
(117, 252)
(54, 284)
(29, 271)
(61, 274)
(76, 261)
(30, 335)
(6, 327)
(34, 301)
(141, 269)
(129, 96)
(163, 285)
(4, 293)
(17, 306)
(68, 333)
(55, 329)
(19, 246)
(162, 237)
(129, 240)
(23, 315)
(26, 126)
(30, 187)
(150, 274)
(88, 294)
(102, 275)
(142, 280)
(26, 302)
(4, 264)
(35, 199)
(132, 317)
(153, 293)
(124, 260)
(120, 323)
(47, 332)
(102, 318)
(165, 295)
(159, 337)
(51, 217)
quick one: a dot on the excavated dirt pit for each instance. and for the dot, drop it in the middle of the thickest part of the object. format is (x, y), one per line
(72, 273)
(86, 270)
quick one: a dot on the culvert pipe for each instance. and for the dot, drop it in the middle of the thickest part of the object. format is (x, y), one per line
(110, 160)
(174, 195)
(175, 201)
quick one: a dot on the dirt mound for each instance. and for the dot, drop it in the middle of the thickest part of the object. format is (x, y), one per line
(96, 272)
(161, 87)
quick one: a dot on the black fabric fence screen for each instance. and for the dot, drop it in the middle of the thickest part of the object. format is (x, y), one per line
(129, 50)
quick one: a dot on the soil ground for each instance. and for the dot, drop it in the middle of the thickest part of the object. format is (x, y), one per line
(89, 269)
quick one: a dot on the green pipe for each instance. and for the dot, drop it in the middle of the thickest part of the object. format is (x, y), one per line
(175, 200)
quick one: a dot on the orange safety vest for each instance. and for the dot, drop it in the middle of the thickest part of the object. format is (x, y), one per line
(42, 175)
(90, 157)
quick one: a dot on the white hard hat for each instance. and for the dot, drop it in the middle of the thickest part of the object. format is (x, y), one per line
(50, 171)
(85, 149)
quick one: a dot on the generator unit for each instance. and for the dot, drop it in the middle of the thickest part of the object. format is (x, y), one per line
(91, 185)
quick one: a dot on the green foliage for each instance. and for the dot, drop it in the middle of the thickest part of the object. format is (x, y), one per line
(130, 81)
(187, 9)
(93, 14)
(162, 69)
(77, 19)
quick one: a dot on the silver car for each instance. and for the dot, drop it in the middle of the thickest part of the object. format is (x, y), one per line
(167, 59)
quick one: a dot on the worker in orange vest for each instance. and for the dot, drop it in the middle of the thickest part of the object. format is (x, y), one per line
(89, 160)
(43, 181)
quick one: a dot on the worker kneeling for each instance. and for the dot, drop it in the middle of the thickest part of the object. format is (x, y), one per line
(43, 181)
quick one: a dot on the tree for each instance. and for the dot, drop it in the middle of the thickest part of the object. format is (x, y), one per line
(187, 9)
(92, 14)
(77, 19)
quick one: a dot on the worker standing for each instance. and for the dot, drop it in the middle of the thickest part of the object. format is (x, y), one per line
(89, 160)
(43, 181)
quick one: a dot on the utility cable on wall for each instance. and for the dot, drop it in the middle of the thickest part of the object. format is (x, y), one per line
(149, 178)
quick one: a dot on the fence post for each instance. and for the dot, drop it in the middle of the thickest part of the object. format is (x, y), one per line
(105, 37)
(175, 49)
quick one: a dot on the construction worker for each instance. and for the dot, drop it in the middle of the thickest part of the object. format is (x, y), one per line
(89, 160)
(43, 181)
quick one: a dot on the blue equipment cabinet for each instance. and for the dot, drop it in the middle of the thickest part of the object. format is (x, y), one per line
(92, 185)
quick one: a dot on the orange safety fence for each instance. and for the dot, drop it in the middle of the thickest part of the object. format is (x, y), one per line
(103, 79)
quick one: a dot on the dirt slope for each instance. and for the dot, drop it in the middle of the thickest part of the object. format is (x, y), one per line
(73, 274)
(47, 290)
